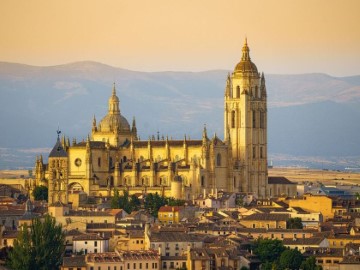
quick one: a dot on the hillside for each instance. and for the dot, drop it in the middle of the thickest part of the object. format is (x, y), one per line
(309, 114)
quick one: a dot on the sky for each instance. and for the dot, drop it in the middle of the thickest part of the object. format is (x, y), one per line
(284, 36)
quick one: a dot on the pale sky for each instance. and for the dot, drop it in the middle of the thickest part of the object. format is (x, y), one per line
(284, 36)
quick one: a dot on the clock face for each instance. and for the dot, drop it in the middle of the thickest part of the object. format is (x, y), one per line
(78, 162)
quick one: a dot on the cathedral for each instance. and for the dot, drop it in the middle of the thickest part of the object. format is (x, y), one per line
(113, 156)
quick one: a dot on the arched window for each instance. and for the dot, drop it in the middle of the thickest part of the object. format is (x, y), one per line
(262, 120)
(237, 91)
(99, 162)
(202, 181)
(110, 162)
(233, 119)
(257, 92)
(218, 160)
(254, 119)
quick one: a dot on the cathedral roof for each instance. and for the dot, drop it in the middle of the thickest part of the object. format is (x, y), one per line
(114, 121)
(246, 65)
(162, 143)
(58, 150)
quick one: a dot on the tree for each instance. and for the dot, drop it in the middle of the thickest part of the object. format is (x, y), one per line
(290, 259)
(115, 199)
(153, 202)
(310, 264)
(20, 257)
(125, 202)
(40, 193)
(268, 250)
(39, 247)
(294, 223)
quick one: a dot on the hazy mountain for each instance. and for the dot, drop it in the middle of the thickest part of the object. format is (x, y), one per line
(309, 114)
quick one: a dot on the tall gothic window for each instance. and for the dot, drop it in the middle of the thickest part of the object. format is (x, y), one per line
(237, 91)
(99, 162)
(262, 120)
(261, 153)
(254, 152)
(257, 92)
(218, 160)
(110, 162)
(233, 118)
(254, 119)
(202, 181)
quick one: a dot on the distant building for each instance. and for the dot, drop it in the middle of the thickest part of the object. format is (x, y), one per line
(90, 243)
(170, 214)
(114, 156)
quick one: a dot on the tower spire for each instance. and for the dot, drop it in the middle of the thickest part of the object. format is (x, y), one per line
(245, 52)
(114, 90)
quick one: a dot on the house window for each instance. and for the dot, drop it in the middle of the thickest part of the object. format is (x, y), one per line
(218, 160)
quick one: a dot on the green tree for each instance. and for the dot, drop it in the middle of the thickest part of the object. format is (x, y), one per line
(294, 223)
(39, 247)
(115, 199)
(310, 264)
(40, 193)
(174, 202)
(153, 202)
(268, 250)
(125, 202)
(20, 257)
(290, 259)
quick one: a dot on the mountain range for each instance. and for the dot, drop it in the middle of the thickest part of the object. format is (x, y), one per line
(313, 119)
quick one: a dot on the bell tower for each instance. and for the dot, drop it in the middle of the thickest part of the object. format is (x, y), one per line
(58, 174)
(245, 124)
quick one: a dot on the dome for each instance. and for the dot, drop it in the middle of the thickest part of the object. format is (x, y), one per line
(246, 65)
(112, 121)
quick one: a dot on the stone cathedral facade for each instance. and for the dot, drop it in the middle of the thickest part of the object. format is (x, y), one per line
(114, 157)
